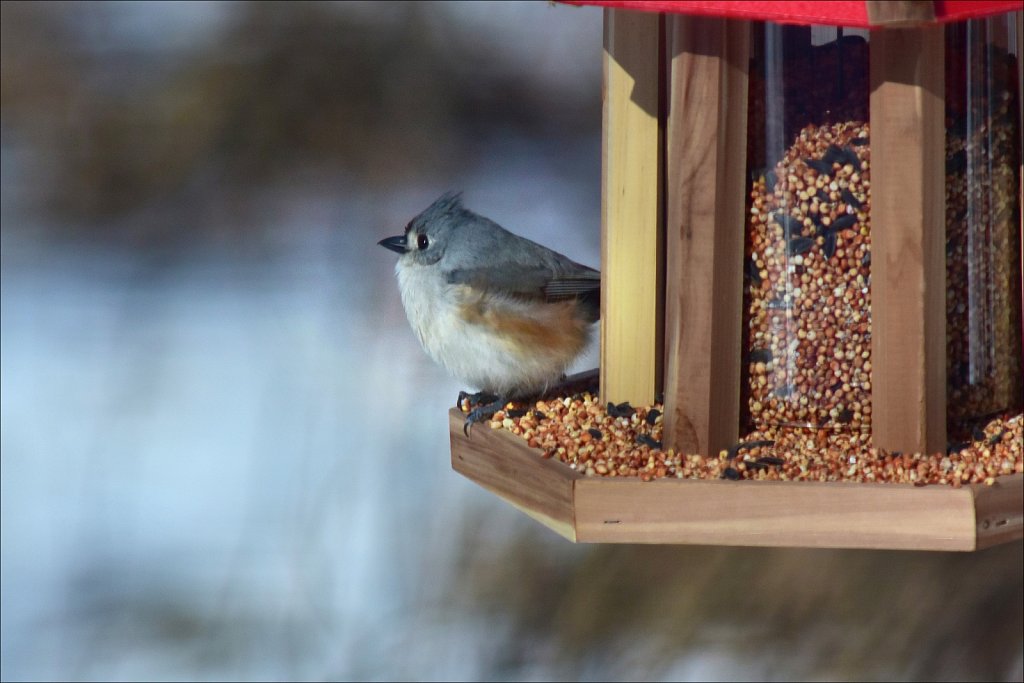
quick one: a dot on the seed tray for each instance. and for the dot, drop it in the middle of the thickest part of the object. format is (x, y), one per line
(588, 509)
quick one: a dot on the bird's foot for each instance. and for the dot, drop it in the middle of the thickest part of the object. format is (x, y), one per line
(483, 412)
(479, 398)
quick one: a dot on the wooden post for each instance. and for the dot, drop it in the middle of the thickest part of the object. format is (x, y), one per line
(631, 213)
(1019, 45)
(908, 279)
(706, 168)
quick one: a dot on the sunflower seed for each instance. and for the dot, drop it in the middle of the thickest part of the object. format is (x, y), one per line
(833, 155)
(789, 224)
(850, 199)
(829, 248)
(799, 245)
(847, 220)
(822, 167)
(645, 440)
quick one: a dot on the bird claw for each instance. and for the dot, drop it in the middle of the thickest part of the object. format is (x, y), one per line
(480, 413)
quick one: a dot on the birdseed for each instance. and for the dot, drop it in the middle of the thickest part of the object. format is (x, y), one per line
(772, 454)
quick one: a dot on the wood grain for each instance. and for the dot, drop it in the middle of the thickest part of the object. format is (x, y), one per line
(908, 276)
(999, 511)
(1019, 48)
(705, 162)
(504, 464)
(751, 513)
(895, 13)
(631, 213)
(806, 514)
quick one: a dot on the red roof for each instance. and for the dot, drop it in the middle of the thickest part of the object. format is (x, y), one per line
(835, 12)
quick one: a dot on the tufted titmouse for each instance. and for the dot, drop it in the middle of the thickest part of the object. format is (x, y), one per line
(499, 311)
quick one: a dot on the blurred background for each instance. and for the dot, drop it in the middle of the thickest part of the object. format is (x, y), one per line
(224, 455)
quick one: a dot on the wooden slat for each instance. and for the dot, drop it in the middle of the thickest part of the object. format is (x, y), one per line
(705, 162)
(999, 515)
(631, 216)
(893, 13)
(908, 240)
(502, 463)
(806, 514)
(1019, 44)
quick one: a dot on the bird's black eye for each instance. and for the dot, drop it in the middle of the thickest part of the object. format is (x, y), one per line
(422, 242)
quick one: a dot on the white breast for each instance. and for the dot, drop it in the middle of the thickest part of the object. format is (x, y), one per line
(426, 305)
(470, 351)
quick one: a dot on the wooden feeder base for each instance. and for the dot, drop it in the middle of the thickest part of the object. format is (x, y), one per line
(749, 513)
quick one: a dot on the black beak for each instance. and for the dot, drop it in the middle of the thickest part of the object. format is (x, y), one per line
(396, 243)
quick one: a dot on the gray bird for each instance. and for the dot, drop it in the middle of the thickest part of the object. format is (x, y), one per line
(498, 311)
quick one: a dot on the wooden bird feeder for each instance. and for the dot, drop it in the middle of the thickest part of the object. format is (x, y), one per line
(811, 217)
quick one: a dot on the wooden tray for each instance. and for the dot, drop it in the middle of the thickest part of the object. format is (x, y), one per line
(752, 513)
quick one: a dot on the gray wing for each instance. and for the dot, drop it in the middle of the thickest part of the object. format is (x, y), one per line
(537, 283)
(533, 273)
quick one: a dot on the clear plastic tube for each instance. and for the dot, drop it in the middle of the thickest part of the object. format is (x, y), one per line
(982, 221)
(808, 251)
(808, 306)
